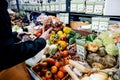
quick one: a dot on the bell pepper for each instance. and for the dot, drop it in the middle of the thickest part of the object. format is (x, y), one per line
(53, 33)
(68, 36)
(60, 33)
(63, 38)
(72, 40)
(66, 30)
(56, 37)
(77, 36)
(73, 32)
(91, 37)
(52, 38)
(61, 45)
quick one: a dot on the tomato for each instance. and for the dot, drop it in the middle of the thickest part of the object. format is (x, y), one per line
(65, 53)
(62, 62)
(57, 64)
(60, 74)
(39, 31)
(66, 62)
(55, 76)
(53, 69)
(61, 54)
(43, 63)
(57, 56)
(48, 74)
(50, 61)
(38, 34)
(43, 71)
(62, 69)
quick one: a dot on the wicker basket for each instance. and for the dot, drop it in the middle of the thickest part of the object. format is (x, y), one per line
(77, 24)
(64, 78)
(84, 32)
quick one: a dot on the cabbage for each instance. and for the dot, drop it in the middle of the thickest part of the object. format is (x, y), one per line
(112, 49)
(103, 35)
(108, 40)
(98, 42)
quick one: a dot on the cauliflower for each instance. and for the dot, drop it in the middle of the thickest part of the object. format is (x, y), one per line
(98, 42)
(112, 49)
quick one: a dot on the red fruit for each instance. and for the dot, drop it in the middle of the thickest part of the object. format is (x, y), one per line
(57, 56)
(62, 69)
(48, 75)
(44, 63)
(66, 62)
(60, 74)
(65, 53)
(43, 71)
(55, 76)
(51, 61)
(57, 64)
(63, 39)
(38, 34)
(54, 69)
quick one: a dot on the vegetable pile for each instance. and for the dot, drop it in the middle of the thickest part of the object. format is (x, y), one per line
(64, 60)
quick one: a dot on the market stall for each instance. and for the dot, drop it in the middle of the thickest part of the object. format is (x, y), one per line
(77, 54)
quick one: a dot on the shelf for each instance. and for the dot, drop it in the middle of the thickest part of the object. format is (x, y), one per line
(112, 17)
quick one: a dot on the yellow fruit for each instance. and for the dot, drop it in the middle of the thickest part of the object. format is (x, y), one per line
(60, 33)
(66, 30)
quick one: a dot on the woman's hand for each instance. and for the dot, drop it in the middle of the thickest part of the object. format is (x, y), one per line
(46, 34)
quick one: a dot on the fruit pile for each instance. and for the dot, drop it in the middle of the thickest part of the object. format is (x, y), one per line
(53, 67)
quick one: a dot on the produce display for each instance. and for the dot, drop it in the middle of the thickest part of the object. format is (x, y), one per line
(70, 55)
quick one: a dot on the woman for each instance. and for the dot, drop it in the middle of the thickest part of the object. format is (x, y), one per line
(12, 53)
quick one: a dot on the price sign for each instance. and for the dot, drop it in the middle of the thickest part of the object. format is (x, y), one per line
(73, 7)
(81, 51)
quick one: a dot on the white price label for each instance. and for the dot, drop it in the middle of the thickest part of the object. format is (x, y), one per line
(40, 8)
(36, 8)
(57, 7)
(98, 9)
(62, 18)
(103, 26)
(33, 8)
(81, 50)
(89, 9)
(80, 7)
(73, 7)
(95, 25)
(44, 8)
(63, 7)
(52, 7)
